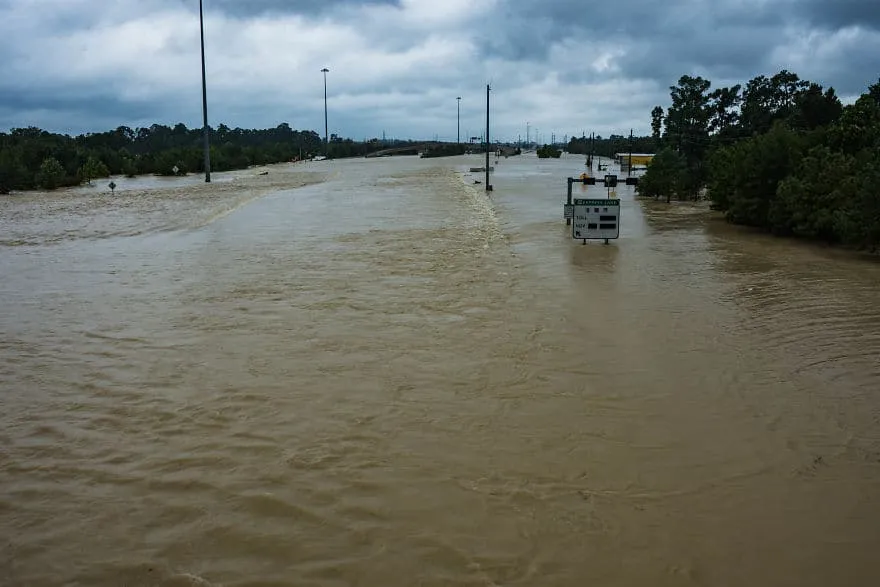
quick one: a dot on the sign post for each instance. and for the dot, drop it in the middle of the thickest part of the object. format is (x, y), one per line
(593, 218)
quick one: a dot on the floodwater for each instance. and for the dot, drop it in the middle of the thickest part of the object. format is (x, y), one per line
(369, 372)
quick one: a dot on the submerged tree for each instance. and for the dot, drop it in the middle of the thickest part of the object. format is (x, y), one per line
(93, 168)
(50, 175)
(779, 153)
(664, 177)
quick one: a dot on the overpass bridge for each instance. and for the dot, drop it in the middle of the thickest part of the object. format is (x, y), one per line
(418, 148)
(405, 150)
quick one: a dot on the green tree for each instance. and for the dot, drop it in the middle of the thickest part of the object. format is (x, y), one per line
(874, 91)
(723, 109)
(858, 222)
(664, 175)
(726, 166)
(687, 128)
(784, 155)
(762, 162)
(51, 174)
(816, 108)
(657, 123)
(548, 151)
(129, 167)
(13, 173)
(808, 200)
(858, 128)
(93, 168)
(766, 100)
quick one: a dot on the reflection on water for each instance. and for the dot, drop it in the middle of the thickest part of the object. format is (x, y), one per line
(594, 258)
(391, 378)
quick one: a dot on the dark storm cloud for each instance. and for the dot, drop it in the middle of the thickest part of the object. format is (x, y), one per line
(839, 13)
(863, 70)
(397, 65)
(84, 101)
(721, 39)
(73, 111)
(529, 28)
(258, 7)
(725, 53)
(656, 20)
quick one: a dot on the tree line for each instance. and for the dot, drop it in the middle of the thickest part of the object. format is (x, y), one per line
(548, 151)
(780, 153)
(32, 158)
(611, 145)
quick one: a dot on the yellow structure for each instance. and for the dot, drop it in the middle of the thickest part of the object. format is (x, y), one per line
(637, 158)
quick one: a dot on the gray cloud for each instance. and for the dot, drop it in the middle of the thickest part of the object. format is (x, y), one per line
(247, 8)
(72, 113)
(724, 39)
(397, 65)
(726, 53)
(83, 103)
(834, 14)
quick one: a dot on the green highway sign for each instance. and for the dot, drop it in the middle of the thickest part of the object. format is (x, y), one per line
(596, 202)
(595, 218)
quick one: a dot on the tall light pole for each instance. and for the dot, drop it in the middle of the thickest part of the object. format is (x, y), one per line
(458, 127)
(205, 99)
(488, 185)
(326, 139)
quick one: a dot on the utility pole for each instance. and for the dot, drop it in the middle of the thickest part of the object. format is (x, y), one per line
(458, 124)
(205, 99)
(488, 185)
(592, 149)
(630, 165)
(326, 139)
(528, 136)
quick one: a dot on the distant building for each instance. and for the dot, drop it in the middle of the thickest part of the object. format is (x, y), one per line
(640, 159)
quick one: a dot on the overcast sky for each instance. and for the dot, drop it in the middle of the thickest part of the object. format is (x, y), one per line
(564, 66)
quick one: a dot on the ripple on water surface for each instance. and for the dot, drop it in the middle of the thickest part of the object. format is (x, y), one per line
(427, 385)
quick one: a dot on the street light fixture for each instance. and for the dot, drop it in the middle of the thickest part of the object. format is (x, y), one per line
(205, 99)
(326, 139)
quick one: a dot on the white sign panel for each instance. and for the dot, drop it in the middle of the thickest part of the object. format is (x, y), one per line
(596, 219)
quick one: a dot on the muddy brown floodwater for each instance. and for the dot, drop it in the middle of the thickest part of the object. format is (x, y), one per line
(368, 372)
